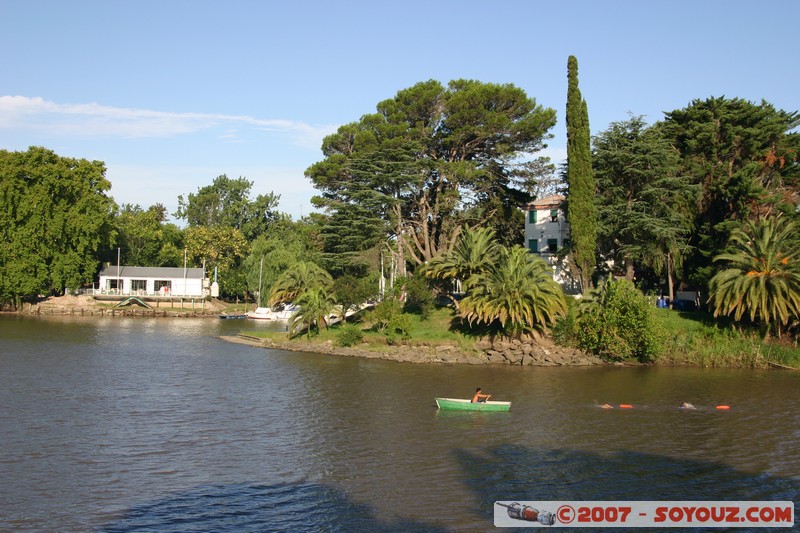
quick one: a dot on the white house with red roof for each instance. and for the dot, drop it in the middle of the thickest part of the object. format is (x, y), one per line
(547, 232)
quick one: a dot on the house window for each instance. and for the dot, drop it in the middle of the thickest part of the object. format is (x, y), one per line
(566, 243)
(139, 285)
(554, 215)
(163, 287)
(114, 284)
(552, 245)
(533, 245)
(532, 216)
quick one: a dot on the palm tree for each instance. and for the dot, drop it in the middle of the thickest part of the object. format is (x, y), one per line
(315, 305)
(296, 280)
(761, 276)
(517, 291)
(472, 253)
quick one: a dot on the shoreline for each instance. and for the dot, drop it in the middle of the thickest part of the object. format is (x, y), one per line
(88, 306)
(536, 351)
(499, 352)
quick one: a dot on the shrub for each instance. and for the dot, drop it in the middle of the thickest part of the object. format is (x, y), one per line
(419, 296)
(617, 322)
(349, 335)
(565, 330)
(390, 319)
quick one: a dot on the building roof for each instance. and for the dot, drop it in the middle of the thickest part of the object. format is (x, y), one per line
(548, 202)
(151, 272)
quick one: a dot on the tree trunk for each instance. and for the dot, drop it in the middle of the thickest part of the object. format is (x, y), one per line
(670, 281)
(629, 273)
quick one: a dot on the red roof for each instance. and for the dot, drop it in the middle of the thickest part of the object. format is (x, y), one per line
(548, 202)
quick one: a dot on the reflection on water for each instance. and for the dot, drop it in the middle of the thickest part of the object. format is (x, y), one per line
(124, 424)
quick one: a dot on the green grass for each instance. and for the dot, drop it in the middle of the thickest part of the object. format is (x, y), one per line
(698, 339)
(435, 331)
(691, 338)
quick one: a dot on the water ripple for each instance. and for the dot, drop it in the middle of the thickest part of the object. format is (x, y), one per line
(140, 424)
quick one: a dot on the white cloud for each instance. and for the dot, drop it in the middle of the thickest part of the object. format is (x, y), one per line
(149, 184)
(96, 120)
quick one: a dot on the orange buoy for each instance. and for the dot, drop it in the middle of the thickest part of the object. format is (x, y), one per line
(723, 407)
(625, 406)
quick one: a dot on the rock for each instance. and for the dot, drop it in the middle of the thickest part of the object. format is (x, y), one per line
(541, 352)
(513, 356)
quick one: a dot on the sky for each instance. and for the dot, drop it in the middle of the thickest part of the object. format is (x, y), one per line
(172, 94)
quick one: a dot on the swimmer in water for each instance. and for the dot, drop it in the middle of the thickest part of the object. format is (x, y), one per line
(687, 405)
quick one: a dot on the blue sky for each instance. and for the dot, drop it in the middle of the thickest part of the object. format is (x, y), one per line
(171, 94)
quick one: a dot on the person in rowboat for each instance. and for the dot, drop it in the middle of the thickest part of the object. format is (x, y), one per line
(480, 396)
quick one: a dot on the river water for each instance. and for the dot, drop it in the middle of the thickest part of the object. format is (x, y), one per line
(154, 424)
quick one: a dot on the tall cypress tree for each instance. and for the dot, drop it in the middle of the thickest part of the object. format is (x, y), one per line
(581, 209)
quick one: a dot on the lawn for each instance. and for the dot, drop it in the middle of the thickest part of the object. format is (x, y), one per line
(693, 338)
(697, 338)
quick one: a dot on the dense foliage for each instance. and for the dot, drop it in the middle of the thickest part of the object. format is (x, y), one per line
(314, 307)
(226, 203)
(760, 277)
(515, 290)
(146, 238)
(55, 218)
(617, 322)
(428, 161)
(746, 159)
(507, 288)
(581, 207)
(302, 277)
(645, 206)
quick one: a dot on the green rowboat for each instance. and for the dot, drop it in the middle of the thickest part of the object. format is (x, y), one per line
(455, 404)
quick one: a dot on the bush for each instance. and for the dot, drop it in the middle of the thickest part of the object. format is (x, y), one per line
(349, 335)
(420, 299)
(617, 322)
(390, 319)
(565, 330)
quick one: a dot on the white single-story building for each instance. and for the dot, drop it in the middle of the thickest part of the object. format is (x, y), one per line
(153, 281)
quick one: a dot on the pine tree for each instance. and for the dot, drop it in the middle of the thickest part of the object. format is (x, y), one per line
(581, 210)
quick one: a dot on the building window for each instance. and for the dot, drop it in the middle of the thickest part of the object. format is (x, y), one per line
(533, 245)
(552, 245)
(139, 285)
(554, 215)
(114, 284)
(532, 216)
(163, 287)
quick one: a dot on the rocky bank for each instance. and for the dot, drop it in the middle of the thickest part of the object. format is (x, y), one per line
(527, 352)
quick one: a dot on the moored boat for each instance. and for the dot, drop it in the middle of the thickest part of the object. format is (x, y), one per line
(458, 404)
(226, 316)
(284, 313)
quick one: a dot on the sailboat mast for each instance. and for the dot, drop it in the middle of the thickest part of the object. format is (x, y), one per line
(260, 270)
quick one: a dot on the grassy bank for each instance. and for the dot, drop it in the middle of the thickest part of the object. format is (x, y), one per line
(690, 338)
(435, 331)
(697, 339)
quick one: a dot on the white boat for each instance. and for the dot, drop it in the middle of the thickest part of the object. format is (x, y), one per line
(266, 313)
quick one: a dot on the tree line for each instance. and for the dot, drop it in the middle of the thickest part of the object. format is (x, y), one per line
(704, 199)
